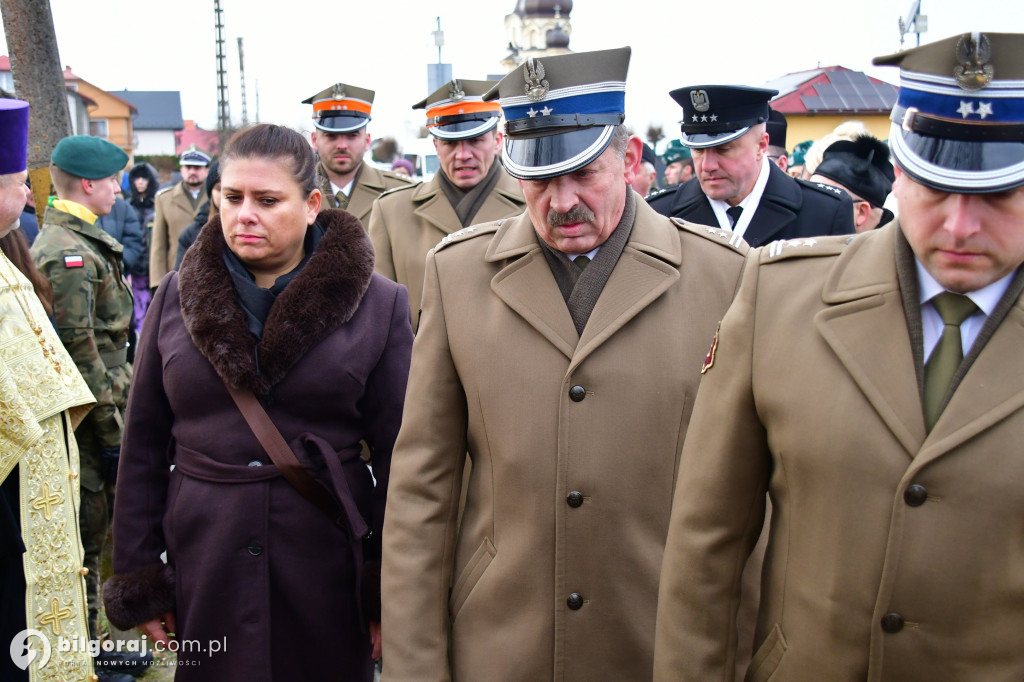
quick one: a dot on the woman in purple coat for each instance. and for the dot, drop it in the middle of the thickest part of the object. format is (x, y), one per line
(279, 299)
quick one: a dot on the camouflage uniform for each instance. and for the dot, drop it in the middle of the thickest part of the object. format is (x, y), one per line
(92, 306)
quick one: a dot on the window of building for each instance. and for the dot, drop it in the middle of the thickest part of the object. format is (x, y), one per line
(99, 128)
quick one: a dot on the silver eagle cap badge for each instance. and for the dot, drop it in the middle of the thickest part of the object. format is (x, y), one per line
(700, 100)
(536, 87)
(455, 91)
(973, 51)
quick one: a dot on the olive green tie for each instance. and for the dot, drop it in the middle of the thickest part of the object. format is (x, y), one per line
(948, 353)
(581, 262)
(342, 199)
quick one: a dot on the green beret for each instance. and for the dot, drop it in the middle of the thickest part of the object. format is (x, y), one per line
(799, 152)
(675, 152)
(88, 157)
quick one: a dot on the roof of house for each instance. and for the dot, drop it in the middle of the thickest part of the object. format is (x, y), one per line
(158, 109)
(832, 90)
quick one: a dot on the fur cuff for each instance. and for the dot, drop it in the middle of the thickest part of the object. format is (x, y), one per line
(134, 598)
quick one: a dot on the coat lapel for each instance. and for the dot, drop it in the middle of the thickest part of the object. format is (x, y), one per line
(984, 397)
(431, 206)
(777, 209)
(866, 328)
(369, 186)
(506, 198)
(526, 284)
(647, 268)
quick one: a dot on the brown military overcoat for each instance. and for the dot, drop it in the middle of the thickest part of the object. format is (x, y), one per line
(405, 224)
(574, 443)
(369, 185)
(895, 554)
(174, 212)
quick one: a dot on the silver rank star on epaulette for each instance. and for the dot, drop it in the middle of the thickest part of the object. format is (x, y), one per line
(455, 235)
(776, 248)
(830, 188)
(733, 238)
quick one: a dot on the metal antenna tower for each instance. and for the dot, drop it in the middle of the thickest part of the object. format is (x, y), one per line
(223, 112)
(241, 74)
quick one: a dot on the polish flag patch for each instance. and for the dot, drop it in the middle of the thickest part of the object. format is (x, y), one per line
(74, 262)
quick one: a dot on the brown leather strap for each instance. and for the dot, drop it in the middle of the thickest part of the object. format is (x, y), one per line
(280, 454)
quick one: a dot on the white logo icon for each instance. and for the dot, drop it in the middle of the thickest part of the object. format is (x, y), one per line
(23, 655)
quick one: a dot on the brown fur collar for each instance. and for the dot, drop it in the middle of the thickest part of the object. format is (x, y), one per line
(323, 296)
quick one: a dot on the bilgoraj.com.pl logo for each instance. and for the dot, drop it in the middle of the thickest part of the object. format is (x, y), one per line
(23, 653)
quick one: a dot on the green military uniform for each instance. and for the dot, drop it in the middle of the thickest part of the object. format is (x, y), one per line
(93, 311)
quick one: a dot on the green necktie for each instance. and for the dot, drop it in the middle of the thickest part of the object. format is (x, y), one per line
(948, 353)
(342, 199)
(581, 262)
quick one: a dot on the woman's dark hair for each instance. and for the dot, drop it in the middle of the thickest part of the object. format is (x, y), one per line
(15, 247)
(269, 141)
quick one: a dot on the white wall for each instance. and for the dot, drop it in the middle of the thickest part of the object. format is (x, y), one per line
(151, 142)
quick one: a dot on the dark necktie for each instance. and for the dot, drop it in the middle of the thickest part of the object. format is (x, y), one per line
(734, 214)
(581, 262)
(342, 199)
(948, 353)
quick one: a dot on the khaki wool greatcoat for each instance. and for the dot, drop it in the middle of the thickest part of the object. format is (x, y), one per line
(407, 223)
(895, 554)
(174, 211)
(574, 442)
(370, 184)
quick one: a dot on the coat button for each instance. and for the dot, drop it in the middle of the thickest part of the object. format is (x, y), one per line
(575, 499)
(577, 393)
(575, 601)
(915, 495)
(255, 548)
(255, 463)
(892, 622)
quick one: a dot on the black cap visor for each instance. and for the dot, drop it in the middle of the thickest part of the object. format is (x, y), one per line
(961, 166)
(340, 123)
(547, 156)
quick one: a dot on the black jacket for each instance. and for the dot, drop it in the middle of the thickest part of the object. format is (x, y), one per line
(789, 209)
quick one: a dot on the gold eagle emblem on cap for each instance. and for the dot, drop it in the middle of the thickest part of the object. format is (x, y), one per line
(973, 51)
(536, 87)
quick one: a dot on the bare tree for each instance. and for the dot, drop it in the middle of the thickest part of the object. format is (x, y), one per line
(38, 79)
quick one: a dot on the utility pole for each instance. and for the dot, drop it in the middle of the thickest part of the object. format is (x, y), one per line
(38, 79)
(241, 74)
(223, 112)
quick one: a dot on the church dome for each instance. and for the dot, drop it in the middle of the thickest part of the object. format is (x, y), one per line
(557, 38)
(543, 8)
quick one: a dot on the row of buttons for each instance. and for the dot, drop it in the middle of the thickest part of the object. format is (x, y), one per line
(915, 495)
(575, 499)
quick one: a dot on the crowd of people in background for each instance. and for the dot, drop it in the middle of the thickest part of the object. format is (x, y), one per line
(743, 410)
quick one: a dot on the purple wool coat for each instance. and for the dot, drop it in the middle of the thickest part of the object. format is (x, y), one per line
(251, 563)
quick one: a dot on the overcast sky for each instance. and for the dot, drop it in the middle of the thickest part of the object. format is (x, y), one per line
(296, 48)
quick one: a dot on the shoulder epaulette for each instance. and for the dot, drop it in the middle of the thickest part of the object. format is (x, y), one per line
(400, 188)
(830, 190)
(714, 234)
(808, 247)
(165, 189)
(398, 176)
(468, 233)
(658, 192)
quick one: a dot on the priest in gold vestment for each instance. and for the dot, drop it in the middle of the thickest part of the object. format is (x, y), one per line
(42, 399)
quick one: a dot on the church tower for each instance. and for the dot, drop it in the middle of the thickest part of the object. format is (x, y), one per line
(537, 28)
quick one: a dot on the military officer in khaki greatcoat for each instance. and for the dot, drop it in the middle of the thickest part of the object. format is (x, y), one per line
(175, 208)
(874, 387)
(561, 349)
(341, 114)
(469, 187)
